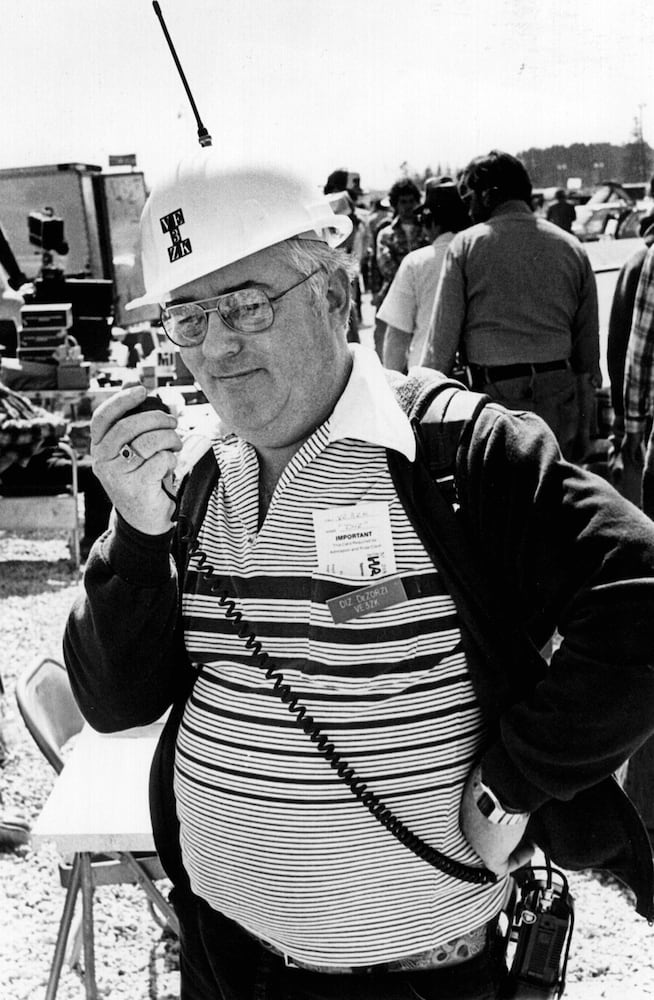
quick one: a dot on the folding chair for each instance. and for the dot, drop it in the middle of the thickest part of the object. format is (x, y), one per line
(46, 703)
(58, 512)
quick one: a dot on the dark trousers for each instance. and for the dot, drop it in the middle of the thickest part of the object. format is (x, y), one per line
(552, 396)
(220, 961)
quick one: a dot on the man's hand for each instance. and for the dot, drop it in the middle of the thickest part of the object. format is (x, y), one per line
(500, 847)
(133, 480)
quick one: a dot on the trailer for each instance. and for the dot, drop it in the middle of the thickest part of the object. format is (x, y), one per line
(100, 211)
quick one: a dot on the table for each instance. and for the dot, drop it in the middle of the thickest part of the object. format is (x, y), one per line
(73, 404)
(99, 804)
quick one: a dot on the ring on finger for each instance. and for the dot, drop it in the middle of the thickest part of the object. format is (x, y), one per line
(127, 453)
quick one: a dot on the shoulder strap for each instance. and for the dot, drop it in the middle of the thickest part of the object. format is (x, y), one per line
(192, 500)
(442, 412)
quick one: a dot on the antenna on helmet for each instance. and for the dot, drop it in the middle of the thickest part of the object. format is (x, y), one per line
(203, 136)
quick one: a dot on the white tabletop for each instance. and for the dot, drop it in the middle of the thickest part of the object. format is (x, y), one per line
(100, 800)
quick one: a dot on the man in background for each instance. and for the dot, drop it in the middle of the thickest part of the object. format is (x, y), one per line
(395, 241)
(407, 308)
(561, 212)
(517, 301)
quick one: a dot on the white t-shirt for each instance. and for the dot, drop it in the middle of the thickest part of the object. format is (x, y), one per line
(410, 299)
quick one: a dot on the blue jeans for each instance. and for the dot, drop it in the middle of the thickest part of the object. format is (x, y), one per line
(220, 961)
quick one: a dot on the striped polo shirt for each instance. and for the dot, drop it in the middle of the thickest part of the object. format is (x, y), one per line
(270, 835)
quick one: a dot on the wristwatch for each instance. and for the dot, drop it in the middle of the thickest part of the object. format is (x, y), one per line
(490, 806)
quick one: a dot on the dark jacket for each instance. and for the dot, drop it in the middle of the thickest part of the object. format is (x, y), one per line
(536, 544)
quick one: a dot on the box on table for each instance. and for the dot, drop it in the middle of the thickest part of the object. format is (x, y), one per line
(41, 355)
(37, 337)
(47, 316)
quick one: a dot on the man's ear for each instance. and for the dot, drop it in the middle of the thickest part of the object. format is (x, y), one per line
(489, 197)
(339, 295)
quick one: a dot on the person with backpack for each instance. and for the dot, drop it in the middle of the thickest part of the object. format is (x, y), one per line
(342, 605)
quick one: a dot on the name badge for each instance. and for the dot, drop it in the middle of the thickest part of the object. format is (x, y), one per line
(367, 600)
(355, 541)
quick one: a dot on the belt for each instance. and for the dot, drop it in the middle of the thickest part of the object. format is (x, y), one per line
(496, 373)
(460, 949)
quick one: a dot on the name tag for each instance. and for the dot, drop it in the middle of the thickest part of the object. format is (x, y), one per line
(355, 541)
(367, 600)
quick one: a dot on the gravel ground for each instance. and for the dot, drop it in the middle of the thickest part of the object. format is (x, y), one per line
(612, 954)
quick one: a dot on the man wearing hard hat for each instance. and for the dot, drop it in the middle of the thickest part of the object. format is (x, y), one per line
(357, 739)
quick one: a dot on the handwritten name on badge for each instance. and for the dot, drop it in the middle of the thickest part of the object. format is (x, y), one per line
(355, 541)
(367, 600)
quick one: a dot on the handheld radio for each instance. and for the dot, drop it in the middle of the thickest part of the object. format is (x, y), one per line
(203, 135)
(541, 928)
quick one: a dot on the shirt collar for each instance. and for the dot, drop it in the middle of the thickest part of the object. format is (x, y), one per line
(512, 207)
(368, 410)
(443, 238)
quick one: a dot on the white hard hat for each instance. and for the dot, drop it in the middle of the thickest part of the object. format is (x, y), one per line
(206, 215)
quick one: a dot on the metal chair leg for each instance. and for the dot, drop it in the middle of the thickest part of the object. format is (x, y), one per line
(90, 988)
(151, 891)
(64, 928)
(73, 956)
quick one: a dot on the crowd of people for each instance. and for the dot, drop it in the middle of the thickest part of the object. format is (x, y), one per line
(480, 308)
(349, 606)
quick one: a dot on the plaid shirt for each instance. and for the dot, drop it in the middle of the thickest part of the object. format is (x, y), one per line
(25, 429)
(639, 364)
(393, 245)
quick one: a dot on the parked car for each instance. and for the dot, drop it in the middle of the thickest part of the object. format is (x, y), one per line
(611, 212)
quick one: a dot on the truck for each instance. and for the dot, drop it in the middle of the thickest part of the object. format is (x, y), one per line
(98, 268)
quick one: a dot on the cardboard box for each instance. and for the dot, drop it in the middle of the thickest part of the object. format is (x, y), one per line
(74, 376)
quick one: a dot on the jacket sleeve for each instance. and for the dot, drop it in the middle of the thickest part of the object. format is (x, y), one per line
(585, 355)
(122, 643)
(566, 552)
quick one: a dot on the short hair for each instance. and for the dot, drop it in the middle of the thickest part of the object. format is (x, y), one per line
(404, 186)
(443, 206)
(306, 255)
(501, 171)
(337, 181)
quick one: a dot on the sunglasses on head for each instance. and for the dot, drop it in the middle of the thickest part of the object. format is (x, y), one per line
(246, 310)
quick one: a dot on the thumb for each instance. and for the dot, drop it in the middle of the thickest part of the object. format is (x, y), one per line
(523, 853)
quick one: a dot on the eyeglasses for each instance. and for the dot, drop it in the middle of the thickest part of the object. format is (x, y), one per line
(247, 310)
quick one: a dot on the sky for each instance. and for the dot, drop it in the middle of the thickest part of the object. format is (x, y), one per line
(319, 84)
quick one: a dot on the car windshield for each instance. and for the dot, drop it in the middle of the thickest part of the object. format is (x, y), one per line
(609, 192)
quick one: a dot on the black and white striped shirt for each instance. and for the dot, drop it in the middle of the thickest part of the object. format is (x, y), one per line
(270, 835)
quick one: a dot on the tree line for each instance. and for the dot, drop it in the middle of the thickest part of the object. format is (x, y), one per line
(631, 163)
